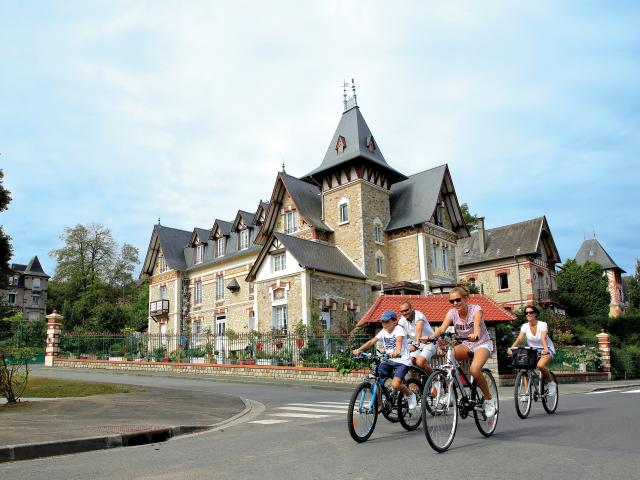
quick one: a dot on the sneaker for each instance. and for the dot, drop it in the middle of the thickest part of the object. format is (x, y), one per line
(551, 388)
(412, 401)
(490, 408)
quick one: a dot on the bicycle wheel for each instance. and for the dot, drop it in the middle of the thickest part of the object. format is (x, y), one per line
(410, 418)
(486, 425)
(388, 408)
(550, 402)
(363, 414)
(522, 394)
(440, 421)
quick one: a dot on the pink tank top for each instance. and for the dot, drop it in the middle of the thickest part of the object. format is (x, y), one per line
(464, 326)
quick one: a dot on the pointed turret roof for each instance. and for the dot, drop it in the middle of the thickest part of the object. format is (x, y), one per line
(358, 142)
(34, 268)
(592, 251)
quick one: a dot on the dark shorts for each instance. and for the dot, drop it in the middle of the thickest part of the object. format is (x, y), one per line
(392, 369)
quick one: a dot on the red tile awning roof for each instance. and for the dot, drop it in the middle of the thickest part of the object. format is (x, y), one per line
(435, 307)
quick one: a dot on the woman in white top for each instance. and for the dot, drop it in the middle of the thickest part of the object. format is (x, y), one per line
(536, 332)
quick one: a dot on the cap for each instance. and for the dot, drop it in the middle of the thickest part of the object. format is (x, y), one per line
(388, 315)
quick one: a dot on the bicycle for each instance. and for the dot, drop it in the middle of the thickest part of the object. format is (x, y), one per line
(530, 384)
(374, 396)
(445, 400)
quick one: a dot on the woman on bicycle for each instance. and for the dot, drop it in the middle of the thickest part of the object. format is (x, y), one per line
(468, 322)
(536, 332)
(394, 339)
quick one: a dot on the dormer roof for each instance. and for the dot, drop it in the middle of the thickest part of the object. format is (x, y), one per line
(353, 139)
(201, 235)
(221, 228)
(242, 217)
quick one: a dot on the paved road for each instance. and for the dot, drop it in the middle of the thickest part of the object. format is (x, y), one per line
(591, 436)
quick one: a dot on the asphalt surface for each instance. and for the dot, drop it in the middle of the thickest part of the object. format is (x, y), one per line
(168, 407)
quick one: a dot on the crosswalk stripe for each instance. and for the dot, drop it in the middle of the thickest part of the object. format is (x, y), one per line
(632, 391)
(318, 405)
(269, 422)
(343, 404)
(298, 415)
(602, 391)
(306, 409)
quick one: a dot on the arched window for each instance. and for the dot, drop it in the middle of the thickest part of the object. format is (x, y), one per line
(343, 207)
(377, 231)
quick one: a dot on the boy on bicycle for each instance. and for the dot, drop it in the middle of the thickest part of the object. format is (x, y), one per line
(394, 340)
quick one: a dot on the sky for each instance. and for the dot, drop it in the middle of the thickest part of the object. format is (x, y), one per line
(122, 112)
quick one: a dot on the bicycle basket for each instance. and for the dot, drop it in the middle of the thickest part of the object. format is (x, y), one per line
(525, 358)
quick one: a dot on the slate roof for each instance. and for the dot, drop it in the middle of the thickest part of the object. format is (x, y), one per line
(592, 251)
(203, 234)
(172, 242)
(319, 256)
(223, 225)
(435, 307)
(356, 133)
(34, 268)
(308, 200)
(413, 200)
(502, 242)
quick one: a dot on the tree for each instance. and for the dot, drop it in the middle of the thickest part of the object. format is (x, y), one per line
(5, 241)
(87, 257)
(633, 287)
(125, 265)
(470, 220)
(583, 289)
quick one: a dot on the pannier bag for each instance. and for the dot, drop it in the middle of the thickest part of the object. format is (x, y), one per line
(524, 358)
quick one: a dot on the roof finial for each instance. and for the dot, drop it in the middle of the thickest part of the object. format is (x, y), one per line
(594, 232)
(158, 220)
(353, 89)
(345, 84)
(283, 167)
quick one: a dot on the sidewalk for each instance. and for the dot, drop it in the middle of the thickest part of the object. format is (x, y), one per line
(71, 425)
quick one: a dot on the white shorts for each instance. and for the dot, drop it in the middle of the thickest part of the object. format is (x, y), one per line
(427, 352)
(473, 346)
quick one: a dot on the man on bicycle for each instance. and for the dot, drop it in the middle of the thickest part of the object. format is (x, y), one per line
(416, 325)
(394, 339)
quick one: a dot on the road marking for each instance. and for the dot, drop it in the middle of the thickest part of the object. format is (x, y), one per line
(602, 391)
(269, 422)
(307, 409)
(321, 405)
(632, 391)
(298, 415)
(335, 403)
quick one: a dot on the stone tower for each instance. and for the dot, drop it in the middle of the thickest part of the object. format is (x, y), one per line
(355, 182)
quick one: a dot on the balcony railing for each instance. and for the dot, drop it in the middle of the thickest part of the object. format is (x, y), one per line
(547, 296)
(159, 307)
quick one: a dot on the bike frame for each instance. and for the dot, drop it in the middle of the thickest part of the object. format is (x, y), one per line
(454, 371)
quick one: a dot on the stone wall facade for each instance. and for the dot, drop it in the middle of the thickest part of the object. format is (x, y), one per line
(287, 290)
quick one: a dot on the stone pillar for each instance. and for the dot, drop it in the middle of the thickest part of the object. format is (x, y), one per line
(54, 323)
(605, 350)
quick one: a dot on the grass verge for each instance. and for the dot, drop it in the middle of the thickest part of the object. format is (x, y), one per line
(54, 388)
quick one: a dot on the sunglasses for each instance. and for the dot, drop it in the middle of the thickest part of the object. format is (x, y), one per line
(454, 300)
(530, 312)
(405, 311)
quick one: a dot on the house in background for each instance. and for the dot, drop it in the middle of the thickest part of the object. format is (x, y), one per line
(331, 240)
(27, 291)
(513, 264)
(592, 251)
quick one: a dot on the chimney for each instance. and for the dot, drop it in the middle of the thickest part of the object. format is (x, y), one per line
(481, 235)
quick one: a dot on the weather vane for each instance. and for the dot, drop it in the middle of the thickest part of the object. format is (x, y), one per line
(353, 100)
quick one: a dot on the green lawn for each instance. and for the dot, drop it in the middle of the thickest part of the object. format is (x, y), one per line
(51, 387)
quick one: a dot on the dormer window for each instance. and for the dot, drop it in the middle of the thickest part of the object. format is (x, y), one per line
(244, 239)
(278, 262)
(341, 144)
(290, 222)
(162, 264)
(220, 246)
(199, 253)
(343, 207)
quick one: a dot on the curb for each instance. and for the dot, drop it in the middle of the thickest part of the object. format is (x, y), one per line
(616, 387)
(30, 451)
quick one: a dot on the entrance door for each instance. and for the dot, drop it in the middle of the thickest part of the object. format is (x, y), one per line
(221, 332)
